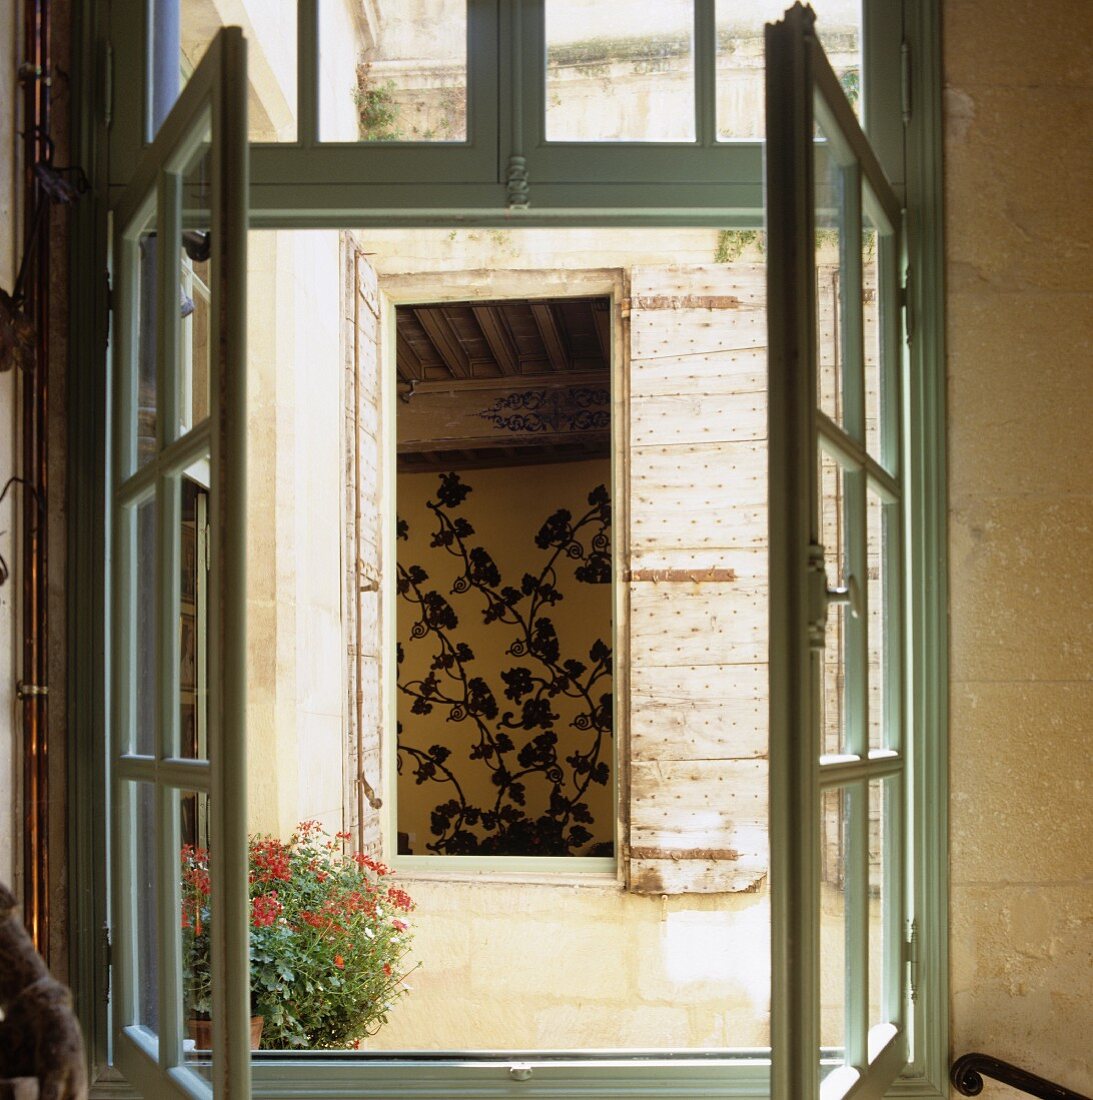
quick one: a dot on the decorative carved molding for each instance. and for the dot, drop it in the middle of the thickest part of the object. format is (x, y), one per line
(516, 179)
(574, 409)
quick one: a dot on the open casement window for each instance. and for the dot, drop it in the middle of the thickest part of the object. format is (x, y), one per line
(838, 748)
(179, 681)
(845, 484)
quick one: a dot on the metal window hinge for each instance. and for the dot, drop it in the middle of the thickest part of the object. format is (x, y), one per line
(108, 960)
(624, 307)
(905, 80)
(906, 304)
(817, 597)
(910, 957)
(30, 691)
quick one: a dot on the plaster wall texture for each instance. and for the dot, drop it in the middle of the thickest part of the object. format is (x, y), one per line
(295, 534)
(10, 254)
(552, 964)
(1018, 115)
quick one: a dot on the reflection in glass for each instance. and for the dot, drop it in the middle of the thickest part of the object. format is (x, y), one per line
(141, 584)
(146, 381)
(144, 912)
(876, 377)
(196, 920)
(193, 617)
(833, 537)
(881, 851)
(835, 891)
(829, 246)
(620, 80)
(879, 550)
(740, 112)
(393, 70)
(181, 33)
(195, 276)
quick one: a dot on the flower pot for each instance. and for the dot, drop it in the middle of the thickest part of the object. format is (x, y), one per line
(201, 1031)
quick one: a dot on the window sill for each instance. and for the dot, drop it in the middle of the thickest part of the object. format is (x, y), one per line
(602, 874)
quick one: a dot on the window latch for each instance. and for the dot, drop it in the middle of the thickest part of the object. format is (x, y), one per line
(821, 596)
(850, 595)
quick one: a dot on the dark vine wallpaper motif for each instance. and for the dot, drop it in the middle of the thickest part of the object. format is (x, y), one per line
(543, 770)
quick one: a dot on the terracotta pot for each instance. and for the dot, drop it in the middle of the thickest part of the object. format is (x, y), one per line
(201, 1031)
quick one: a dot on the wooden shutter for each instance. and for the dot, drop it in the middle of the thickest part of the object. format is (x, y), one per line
(697, 573)
(363, 556)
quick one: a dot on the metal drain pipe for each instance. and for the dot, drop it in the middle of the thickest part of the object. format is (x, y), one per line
(36, 75)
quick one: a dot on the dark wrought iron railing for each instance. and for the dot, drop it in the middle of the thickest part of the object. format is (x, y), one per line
(968, 1071)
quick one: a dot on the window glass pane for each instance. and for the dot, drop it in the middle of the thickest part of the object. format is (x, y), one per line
(833, 535)
(144, 387)
(193, 623)
(740, 109)
(830, 180)
(835, 894)
(393, 70)
(620, 80)
(882, 626)
(139, 705)
(196, 922)
(883, 838)
(144, 912)
(270, 30)
(195, 279)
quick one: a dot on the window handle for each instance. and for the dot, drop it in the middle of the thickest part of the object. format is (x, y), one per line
(850, 596)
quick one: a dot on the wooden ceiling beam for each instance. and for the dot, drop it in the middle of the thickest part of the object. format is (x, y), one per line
(439, 330)
(407, 360)
(495, 331)
(550, 334)
(601, 317)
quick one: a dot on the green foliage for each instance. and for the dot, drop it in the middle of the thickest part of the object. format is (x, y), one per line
(851, 85)
(328, 944)
(731, 243)
(377, 112)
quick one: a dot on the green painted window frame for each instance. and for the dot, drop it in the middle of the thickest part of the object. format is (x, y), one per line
(296, 186)
(804, 99)
(209, 118)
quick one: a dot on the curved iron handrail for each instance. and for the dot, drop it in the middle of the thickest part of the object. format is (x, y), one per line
(967, 1073)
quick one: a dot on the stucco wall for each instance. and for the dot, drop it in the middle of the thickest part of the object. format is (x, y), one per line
(295, 706)
(509, 965)
(1020, 302)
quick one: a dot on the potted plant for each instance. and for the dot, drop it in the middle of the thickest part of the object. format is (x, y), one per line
(328, 940)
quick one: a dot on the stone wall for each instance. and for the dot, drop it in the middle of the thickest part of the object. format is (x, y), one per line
(1019, 108)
